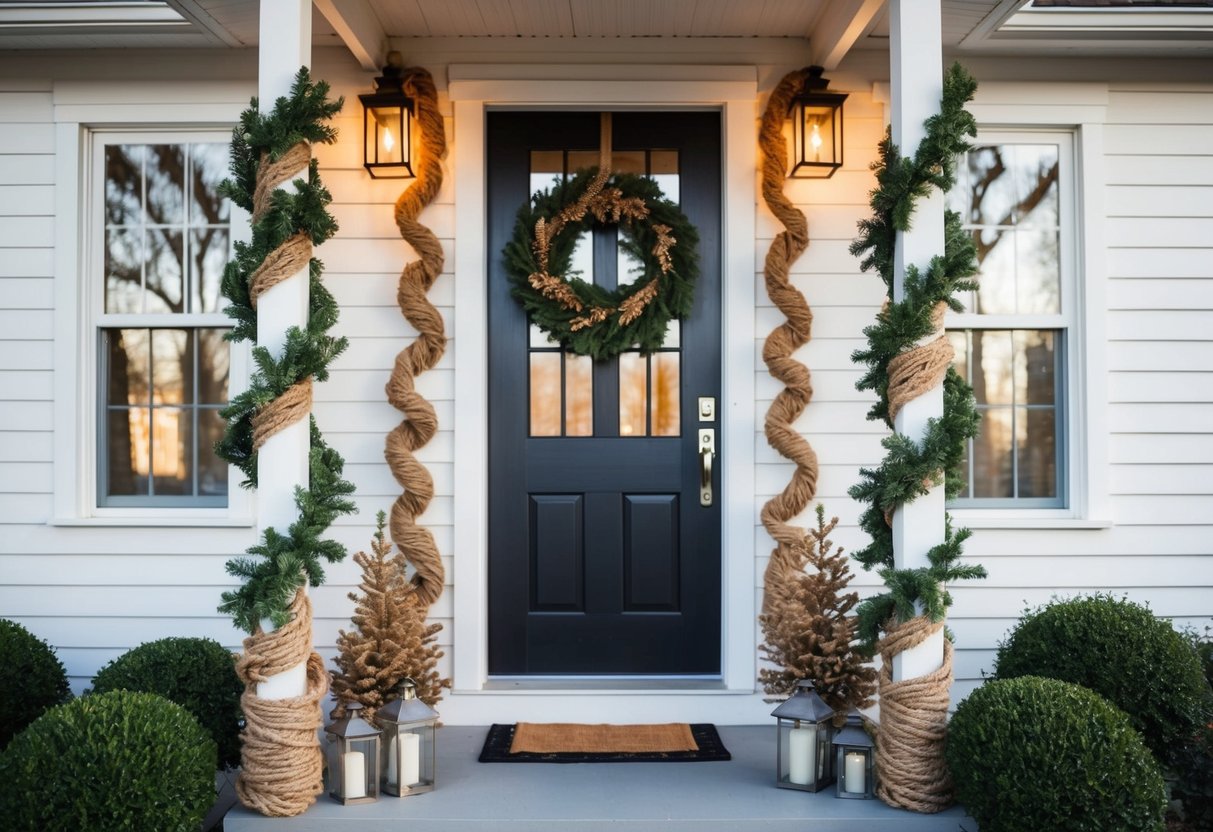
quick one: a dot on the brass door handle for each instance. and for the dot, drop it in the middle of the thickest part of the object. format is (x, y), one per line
(707, 450)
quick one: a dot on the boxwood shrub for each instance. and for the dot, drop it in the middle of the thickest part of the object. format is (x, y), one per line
(196, 673)
(1122, 652)
(109, 762)
(32, 679)
(1033, 753)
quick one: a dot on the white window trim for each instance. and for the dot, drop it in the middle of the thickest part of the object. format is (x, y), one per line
(473, 90)
(85, 112)
(1081, 108)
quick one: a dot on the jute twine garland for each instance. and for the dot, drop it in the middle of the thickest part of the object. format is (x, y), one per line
(784, 340)
(420, 423)
(913, 724)
(280, 758)
(922, 368)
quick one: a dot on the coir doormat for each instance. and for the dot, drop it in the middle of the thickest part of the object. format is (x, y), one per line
(532, 742)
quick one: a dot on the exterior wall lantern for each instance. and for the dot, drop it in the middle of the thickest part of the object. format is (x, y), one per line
(353, 758)
(409, 742)
(816, 128)
(387, 124)
(853, 759)
(802, 747)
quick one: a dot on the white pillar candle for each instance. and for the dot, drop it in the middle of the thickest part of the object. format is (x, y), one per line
(410, 760)
(802, 754)
(355, 774)
(392, 768)
(856, 773)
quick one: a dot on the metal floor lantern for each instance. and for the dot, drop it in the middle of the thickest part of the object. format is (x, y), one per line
(853, 759)
(802, 746)
(353, 758)
(409, 728)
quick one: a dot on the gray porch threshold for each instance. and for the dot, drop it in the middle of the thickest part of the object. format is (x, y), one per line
(737, 796)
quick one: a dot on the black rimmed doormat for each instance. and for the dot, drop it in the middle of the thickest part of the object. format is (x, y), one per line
(662, 744)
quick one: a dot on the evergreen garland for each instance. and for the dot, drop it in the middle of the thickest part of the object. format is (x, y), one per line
(276, 567)
(560, 309)
(910, 469)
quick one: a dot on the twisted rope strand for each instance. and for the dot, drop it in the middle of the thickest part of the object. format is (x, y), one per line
(781, 343)
(281, 762)
(420, 423)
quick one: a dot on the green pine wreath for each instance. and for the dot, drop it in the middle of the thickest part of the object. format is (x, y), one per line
(583, 317)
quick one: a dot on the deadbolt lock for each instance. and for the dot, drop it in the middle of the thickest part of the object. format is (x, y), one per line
(707, 408)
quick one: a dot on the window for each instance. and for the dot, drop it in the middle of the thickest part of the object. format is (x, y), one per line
(163, 236)
(1014, 194)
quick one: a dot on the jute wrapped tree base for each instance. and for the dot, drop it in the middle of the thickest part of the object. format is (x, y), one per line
(420, 422)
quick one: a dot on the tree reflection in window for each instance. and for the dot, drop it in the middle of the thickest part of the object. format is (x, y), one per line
(167, 233)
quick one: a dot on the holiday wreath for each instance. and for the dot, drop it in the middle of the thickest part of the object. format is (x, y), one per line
(590, 319)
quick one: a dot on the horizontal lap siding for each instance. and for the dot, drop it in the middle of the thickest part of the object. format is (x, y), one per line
(1158, 218)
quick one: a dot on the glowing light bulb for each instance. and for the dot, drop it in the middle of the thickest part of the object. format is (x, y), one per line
(815, 140)
(388, 141)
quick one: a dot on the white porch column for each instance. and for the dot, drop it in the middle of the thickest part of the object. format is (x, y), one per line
(282, 463)
(916, 86)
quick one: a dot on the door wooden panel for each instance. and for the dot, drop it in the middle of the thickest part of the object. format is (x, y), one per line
(602, 561)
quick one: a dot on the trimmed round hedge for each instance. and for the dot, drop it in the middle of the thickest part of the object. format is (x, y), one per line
(1122, 652)
(1033, 753)
(32, 679)
(113, 761)
(196, 673)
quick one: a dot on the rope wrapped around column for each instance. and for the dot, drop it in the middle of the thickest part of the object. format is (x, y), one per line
(784, 340)
(280, 757)
(420, 423)
(913, 724)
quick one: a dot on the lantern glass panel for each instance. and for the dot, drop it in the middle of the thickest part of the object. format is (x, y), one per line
(386, 134)
(854, 765)
(805, 761)
(408, 759)
(354, 769)
(820, 139)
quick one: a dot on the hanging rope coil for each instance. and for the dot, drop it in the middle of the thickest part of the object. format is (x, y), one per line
(420, 422)
(913, 724)
(281, 761)
(782, 342)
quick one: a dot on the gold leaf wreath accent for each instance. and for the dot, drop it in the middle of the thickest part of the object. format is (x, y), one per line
(420, 423)
(556, 289)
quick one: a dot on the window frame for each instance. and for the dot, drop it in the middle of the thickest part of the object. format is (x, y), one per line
(1065, 323)
(80, 317)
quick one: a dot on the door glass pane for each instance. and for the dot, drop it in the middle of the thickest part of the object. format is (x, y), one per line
(171, 440)
(628, 161)
(633, 394)
(628, 266)
(663, 168)
(666, 393)
(579, 395)
(582, 263)
(1037, 452)
(546, 167)
(992, 454)
(536, 337)
(673, 335)
(579, 159)
(545, 393)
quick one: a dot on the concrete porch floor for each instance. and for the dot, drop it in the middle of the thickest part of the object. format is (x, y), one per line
(737, 796)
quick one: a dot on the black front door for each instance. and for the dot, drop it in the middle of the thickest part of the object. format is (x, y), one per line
(602, 557)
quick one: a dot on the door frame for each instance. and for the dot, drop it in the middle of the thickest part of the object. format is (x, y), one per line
(733, 91)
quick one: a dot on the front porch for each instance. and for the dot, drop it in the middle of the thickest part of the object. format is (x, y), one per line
(736, 796)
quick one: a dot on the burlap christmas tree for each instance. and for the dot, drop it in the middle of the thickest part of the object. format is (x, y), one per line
(807, 628)
(392, 639)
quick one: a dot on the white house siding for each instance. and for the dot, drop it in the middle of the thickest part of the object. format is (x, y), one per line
(97, 591)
